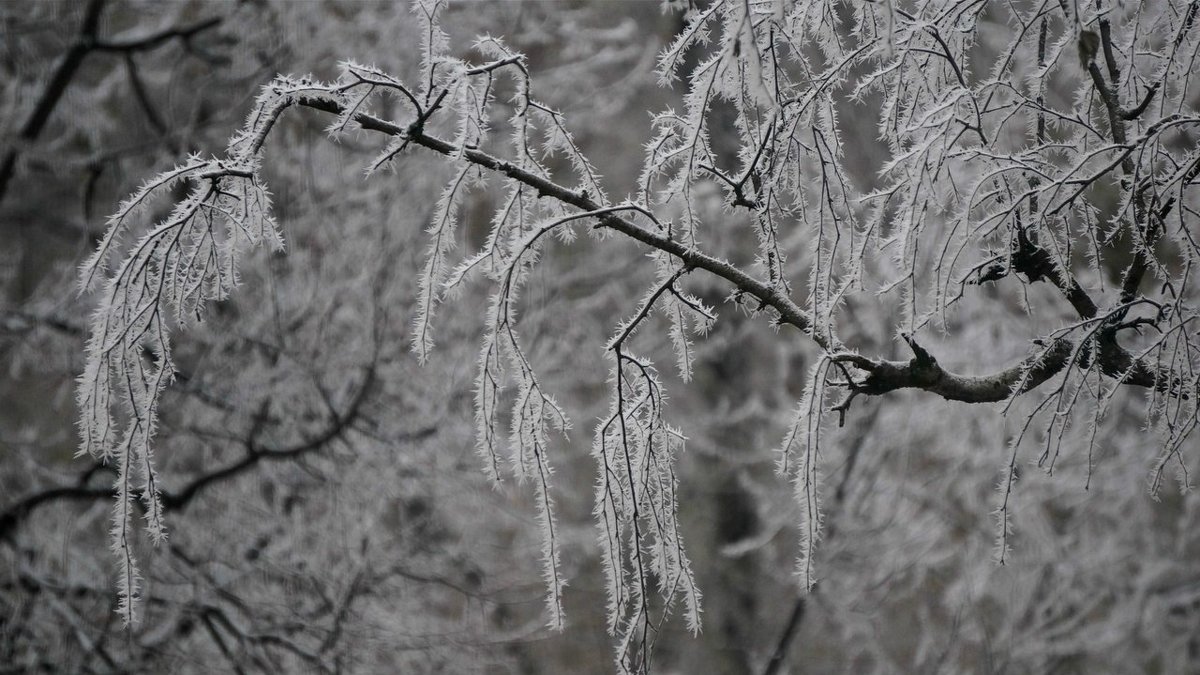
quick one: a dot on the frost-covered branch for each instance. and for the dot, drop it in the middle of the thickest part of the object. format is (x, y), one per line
(992, 182)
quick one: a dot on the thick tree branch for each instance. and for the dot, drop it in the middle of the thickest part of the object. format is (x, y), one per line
(1037, 264)
(925, 373)
(1133, 275)
(884, 376)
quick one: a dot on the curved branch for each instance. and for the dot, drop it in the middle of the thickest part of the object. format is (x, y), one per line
(15, 514)
(789, 312)
(86, 42)
(925, 373)
(54, 90)
(12, 517)
(884, 376)
(148, 42)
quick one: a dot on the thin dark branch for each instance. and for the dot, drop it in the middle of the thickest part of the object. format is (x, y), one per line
(769, 296)
(154, 40)
(796, 617)
(57, 86)
(1141, 107)
(87, 42)
(11, 517)
(15, 514)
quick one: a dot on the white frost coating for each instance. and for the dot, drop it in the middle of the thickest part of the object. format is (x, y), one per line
(167, 277)
(637, 511)
(964, 191)
(799, 459)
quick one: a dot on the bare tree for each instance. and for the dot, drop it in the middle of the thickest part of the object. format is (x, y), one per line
(291, 429)
(1035, 142)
